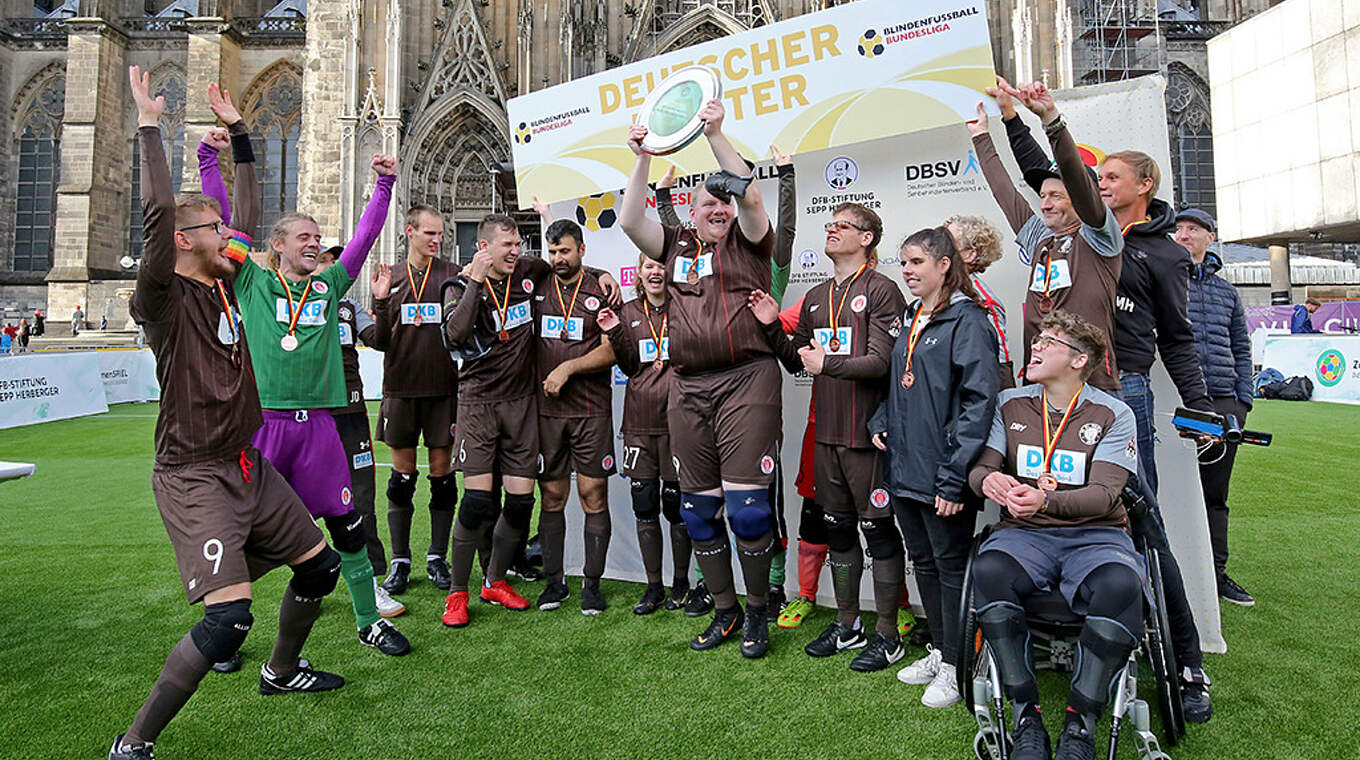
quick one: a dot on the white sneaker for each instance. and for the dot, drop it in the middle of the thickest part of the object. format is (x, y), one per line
(387, 606)
(923, 670)
(944, 690)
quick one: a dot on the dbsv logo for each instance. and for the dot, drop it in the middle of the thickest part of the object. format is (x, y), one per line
(942, 169)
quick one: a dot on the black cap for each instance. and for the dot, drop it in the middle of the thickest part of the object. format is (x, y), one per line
(1199, 217)
(1035, 177)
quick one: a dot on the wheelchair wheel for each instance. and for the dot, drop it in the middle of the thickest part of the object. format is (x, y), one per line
(970, 637)
(1163, 661)
(987, 743)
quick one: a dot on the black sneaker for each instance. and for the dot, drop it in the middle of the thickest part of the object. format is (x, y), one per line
(1229, 590)
(120, 751)
(776, 600)
(920, 633)
(724, 626)
(398, 576)
(592, 599)
(700, 601)
(1075, 743)
(680, 593)
(1195, 702)
(651, 599)
(526, 573)
(303, 679)
(384, 637)
(835, 638)
(229, 665)
(881, 652)
(553, 596)
(1030, 740)
(438, 571)
(755, 636)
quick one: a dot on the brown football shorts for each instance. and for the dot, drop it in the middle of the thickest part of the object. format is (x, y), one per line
(584, 445)
(402, 422)
(726, 425)
(498, 437)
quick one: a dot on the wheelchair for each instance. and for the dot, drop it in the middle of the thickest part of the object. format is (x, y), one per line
(1054, 629)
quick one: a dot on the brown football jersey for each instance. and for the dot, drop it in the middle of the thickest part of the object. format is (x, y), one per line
(415, 362)
(641, 327)
(565, 315)
(504, 309)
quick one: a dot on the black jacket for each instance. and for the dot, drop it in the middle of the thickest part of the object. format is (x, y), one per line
(1220, 326)
(1150, 304)
(937, 428)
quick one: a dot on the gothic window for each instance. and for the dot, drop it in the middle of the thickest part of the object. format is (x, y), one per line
(751, 13)
(171, 87)
(38, 148)
(1195, 145)
(273, 109)
(1192, 142)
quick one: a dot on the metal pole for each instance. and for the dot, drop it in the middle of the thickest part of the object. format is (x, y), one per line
(1279, 276)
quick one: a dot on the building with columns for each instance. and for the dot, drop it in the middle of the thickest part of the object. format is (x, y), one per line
(324, 84)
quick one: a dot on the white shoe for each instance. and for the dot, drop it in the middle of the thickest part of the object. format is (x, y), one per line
(387, 606)
(923, 670)
(944, 690)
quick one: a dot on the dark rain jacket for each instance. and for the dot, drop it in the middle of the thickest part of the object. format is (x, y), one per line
(1220, 326)
(936, 429)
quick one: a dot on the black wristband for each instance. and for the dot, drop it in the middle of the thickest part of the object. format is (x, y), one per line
(784, 170)
(241, 152)
(1057, 126)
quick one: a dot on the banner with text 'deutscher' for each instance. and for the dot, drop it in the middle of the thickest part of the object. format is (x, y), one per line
(857, 72)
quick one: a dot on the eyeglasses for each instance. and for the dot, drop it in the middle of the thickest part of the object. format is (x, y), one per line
(1041, 342)
(842, 225)
(218, 226)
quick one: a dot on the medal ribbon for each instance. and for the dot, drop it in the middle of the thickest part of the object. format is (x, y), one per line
(419, 293)
(501, 310)
(664, 320)
(231, 318)
(294, 314)
(912, 337)
(1051, 444)
(836, 311)
(566, 309)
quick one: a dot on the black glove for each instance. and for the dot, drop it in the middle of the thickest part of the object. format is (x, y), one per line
(723, 185)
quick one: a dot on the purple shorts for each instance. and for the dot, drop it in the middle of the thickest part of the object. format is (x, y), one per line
(305, 448)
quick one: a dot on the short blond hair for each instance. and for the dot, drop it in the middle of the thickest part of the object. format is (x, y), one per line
(1143, 165)
(193, 203)
(979, 235)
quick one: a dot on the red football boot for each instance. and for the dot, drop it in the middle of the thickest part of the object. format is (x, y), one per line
(501, 593)
(455, 610)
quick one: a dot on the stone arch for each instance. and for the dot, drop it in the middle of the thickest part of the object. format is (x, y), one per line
(449, 155)
(704, 23)
(43, 95)
(167, 81)
(37, 114)
(1191, 137)
(665, 25)
(272, 106)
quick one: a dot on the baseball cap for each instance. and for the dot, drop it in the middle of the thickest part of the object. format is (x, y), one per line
(1035, 177)
(1199, 217)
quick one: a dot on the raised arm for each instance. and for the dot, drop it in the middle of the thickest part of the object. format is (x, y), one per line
(375, 215)
(751, 216)
(210, 172)
(645, 233)
(381, 288)
(1028, 155)
(788, 212)
(246, 199)
(150, 299)
(1012, 203)
(665, 207)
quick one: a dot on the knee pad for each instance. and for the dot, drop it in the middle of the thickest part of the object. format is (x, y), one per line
(223, 629)
(316, 577)
(347, 532)
(646, 499)
(881, 539)
(1102, 652)
(477, 510)
(811, 527)
(700, 514)
(670, 501)
(519, 510)
(401, 488)
(443, 492)
(749, 513)
(840, 532)
(1003, 624)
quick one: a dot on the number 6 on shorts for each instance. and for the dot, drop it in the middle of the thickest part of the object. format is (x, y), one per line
(212, 551)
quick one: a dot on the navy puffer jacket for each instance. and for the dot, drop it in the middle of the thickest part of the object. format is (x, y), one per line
(1220, 327)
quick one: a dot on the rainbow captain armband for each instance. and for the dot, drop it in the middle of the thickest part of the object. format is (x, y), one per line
(239, 246)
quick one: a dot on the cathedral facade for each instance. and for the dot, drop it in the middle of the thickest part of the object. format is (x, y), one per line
(324, 84)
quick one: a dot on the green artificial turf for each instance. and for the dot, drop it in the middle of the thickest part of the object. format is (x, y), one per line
(92, 603)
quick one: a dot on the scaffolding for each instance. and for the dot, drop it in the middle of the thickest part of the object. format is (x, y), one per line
(1119, 40)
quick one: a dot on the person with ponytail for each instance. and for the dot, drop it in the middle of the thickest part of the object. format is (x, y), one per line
(933, 424)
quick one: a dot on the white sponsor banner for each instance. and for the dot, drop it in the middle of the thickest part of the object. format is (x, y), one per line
(371, 372)
(859, 71)
(1332, 362)
(129, 375)
(51, 386)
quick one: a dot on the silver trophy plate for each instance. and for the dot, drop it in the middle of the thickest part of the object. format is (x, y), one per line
(671, 111)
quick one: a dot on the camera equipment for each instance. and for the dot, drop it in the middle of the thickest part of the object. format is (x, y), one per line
(1194, 423)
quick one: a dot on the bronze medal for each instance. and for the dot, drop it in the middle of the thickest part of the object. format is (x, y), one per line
(1047, 482)
(834, 344)
(692, 276)
(1045, 304)
(908, 379)
(659, 364)
(417, 319)
(503, 335)
(566, 333)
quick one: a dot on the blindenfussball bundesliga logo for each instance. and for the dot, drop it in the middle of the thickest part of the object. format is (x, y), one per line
(597, 212)
(871, 44)
(1331, 367)
(523, 134)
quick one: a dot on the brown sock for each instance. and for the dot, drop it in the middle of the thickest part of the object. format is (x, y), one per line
(296, 616)
(178, 680)
(847, 568)
(649, 542)
(681, 550)
(888, 573)
(505, 540)
(552, 539)
(755, 556)
(598, 530)
(715, 559)
(463, 553)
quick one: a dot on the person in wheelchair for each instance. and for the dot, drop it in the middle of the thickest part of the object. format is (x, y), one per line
(1057, 458)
